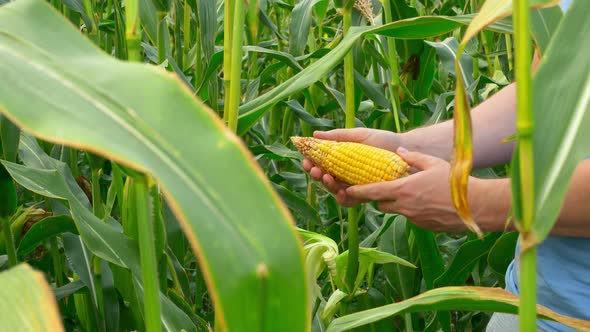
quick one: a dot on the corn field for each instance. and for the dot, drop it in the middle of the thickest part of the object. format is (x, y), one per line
(150, 182)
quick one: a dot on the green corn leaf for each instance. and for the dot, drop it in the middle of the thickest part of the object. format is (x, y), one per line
(80, 259)
(368, 257)
(68, 289)
(156, 126)
(7, 194)
(44, 230)
(462, 158)
(332, 305)
(561, 83)
(78, 7)
(413, 28)
(149, 18)
(395, 241)
(401, 10)
(299, 205)
(431, 261)
(432, 265)
(502, 253)
(468, 254)
(51, 178)
(423, 85)
(447, 52)
(110, 299)
(375, 236)
(286, 58)
(544, 22)
(9, 135)
(26, 301)
(451, 298)
(301, 21)
(306, 117)
(162, 5)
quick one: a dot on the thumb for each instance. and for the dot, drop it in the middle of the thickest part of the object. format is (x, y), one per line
(418, 160)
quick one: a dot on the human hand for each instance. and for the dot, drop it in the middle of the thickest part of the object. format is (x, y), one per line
(374, 137)
(424, 196)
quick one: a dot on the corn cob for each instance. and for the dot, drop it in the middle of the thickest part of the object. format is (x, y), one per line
(353, 163)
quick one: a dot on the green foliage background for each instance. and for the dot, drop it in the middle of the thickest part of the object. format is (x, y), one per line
(221, 247)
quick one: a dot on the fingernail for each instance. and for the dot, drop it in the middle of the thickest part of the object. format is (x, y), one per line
(402, 150)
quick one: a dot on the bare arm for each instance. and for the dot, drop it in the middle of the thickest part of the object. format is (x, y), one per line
(424, 198)
(492, 121)
(491, 202)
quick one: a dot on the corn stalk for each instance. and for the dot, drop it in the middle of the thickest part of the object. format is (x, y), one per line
(353, 234)
(524, 126)
(236, 60)
(147, 253)
(395, 81)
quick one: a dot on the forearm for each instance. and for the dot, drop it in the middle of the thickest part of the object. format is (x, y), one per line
(492, 121)
(490, 200)
(574, 217)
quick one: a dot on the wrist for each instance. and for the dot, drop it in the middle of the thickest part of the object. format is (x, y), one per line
(409, 140)
(490, 201)
(428, 141)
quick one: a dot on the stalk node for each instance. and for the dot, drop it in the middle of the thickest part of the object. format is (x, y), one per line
(525, 129)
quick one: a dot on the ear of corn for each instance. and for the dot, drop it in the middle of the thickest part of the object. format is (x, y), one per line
(353, 163)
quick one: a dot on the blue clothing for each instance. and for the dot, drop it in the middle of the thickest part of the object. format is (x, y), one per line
(563, 279)
(565, 4)
(563, 274)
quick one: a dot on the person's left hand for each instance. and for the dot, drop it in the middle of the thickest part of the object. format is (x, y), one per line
(424, 196)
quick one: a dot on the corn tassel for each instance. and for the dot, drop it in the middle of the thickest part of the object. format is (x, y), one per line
(365, 8)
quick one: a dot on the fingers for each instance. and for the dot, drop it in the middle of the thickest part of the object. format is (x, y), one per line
(336, 187)
(332, 184)
(315, 172)
(345, 200)
(380, 191)
(419, 160)
(388, 206)
(343, 135)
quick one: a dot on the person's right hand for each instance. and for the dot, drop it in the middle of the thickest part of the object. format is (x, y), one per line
(378, 138)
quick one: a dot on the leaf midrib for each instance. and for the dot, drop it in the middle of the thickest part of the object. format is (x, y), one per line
(562, 154)
(181, 172)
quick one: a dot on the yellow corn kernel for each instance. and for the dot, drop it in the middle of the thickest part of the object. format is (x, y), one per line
(353, 163)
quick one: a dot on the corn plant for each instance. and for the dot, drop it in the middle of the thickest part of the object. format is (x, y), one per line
(149, 181)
